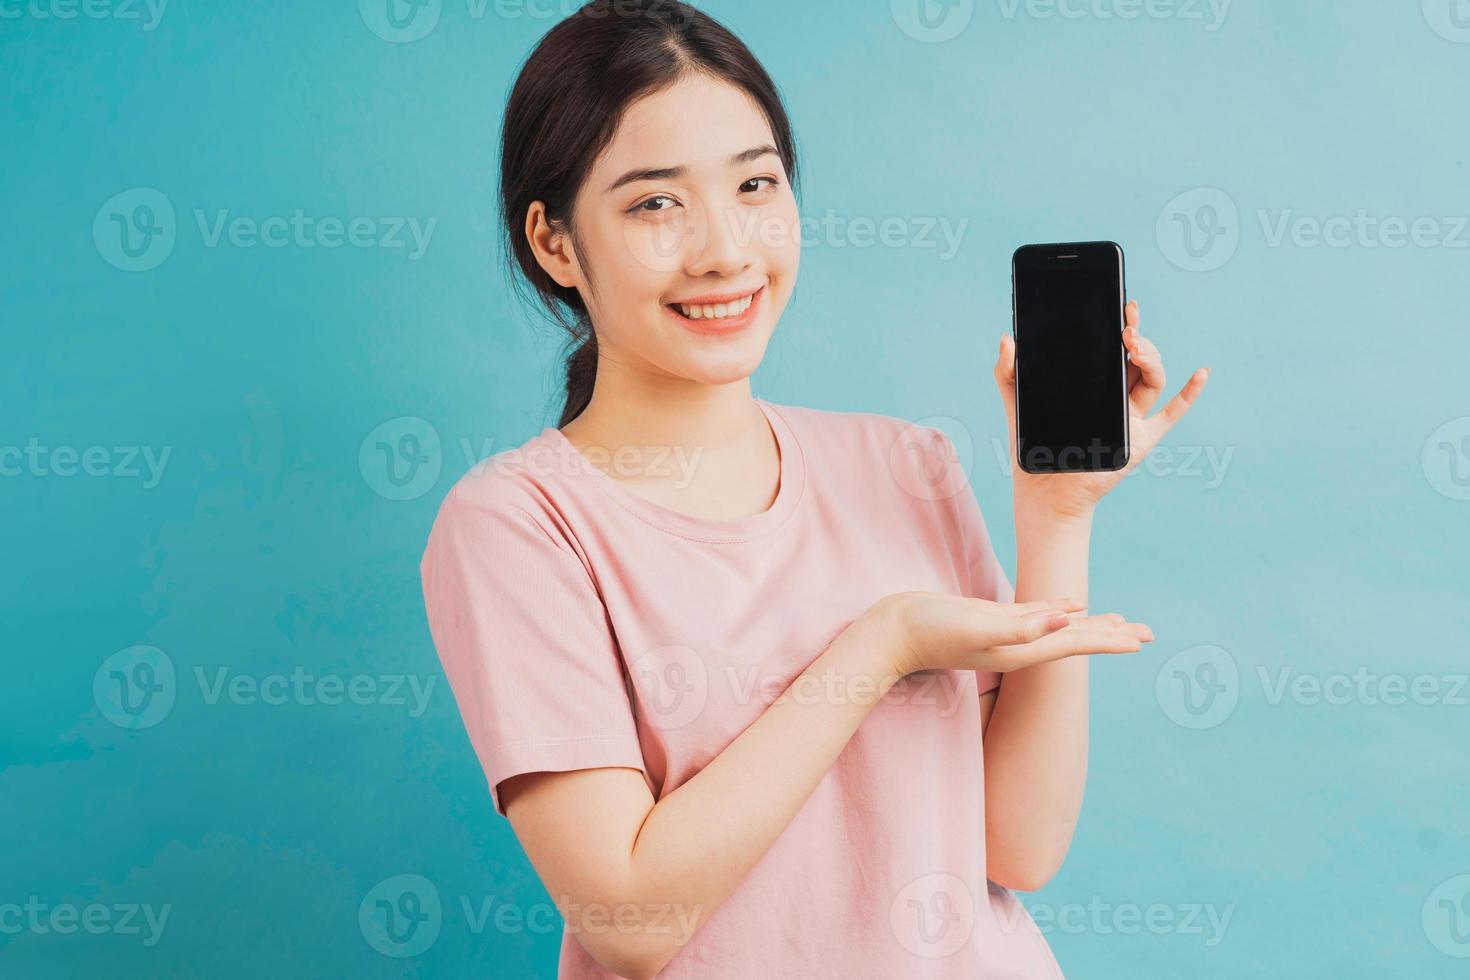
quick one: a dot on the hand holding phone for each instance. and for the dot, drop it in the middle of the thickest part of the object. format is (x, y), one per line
(1045, 431)
(1071, 365)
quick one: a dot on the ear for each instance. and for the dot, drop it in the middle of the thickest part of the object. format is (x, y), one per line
(552, 247)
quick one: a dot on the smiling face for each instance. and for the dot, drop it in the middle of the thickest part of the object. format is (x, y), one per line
(686, 241)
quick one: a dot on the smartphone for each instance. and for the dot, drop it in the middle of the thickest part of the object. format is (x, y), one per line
(1071, 366)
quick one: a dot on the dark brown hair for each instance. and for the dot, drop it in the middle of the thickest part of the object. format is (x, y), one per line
(563, 111)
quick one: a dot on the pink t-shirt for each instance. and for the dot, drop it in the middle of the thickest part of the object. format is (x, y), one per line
(582, 625)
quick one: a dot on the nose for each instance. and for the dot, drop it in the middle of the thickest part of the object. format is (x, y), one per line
(718, 248)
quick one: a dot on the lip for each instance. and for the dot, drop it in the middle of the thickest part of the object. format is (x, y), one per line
(714, 299)
(726, 325)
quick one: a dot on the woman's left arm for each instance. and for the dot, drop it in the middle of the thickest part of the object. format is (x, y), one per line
(1035, 729)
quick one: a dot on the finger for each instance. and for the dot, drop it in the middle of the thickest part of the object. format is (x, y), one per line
(1066, 604)
(1138, 344)
(1130, 313)
(1082, 642)
(1098, 620)
(1111, 621)
(1065, 643)
(1022, 630)
(983, 623)
(1165, 418)
(1146, 380)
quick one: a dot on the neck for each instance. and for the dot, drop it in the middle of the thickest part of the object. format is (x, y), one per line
(643, 411)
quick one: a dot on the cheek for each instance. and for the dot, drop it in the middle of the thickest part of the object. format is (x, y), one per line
(626, 268)
(782, 246)
(782, 238)
(653, 249)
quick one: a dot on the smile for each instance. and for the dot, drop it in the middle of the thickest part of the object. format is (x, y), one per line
(718, 313)
(715, 311)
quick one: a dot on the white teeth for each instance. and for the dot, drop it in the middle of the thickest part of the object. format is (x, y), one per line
(717, 311)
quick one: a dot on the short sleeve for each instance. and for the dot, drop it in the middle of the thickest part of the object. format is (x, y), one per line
(526, 644)
(985, 578)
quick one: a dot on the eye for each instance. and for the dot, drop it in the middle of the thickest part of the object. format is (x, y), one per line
(643, 207)
(756, 180)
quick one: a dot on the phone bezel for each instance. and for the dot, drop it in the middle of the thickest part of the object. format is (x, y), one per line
(1049, 254)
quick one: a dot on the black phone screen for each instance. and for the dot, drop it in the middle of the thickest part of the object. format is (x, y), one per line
(1071, 402)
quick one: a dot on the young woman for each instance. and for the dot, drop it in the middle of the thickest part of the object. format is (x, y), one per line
(728, 664)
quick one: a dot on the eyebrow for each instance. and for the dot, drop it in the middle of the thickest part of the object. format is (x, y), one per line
(671, 173)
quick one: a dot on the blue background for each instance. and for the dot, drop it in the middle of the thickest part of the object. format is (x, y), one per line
(1331, 538)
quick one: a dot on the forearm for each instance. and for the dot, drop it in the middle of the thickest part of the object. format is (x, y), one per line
(702, 839)
(1036, 741)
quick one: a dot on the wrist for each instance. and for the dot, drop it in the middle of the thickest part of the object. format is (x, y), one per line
(876, 644)
(1034, 520)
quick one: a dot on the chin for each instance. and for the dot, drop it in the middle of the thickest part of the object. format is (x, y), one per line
(722, 370)
(720, 364)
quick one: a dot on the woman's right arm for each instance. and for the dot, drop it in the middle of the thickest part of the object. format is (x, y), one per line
(634, 877)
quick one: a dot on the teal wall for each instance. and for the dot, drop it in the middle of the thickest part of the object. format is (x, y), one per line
(193, 414)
